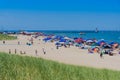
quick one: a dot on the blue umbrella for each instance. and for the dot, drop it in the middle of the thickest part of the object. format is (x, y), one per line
(111, 43)
(46, 39)
(57, 43)
(75, 38)
(67, 42)
(62, 40)
(58, 37)
(101, 41)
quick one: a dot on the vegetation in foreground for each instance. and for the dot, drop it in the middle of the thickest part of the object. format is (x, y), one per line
(6, 37)
(15, 67)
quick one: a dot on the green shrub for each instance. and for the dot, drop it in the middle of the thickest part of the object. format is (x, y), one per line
(6, 37)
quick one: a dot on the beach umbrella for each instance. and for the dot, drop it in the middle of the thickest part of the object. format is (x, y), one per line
(62, 40)
(46, 39)
(89, 41)
(55, 37)
(111, 43)
(71, 40)
(79, 40)
(67, 38)
(76, 44)
(58, 37)
(84, 40)
(94, 44)
(57, 43)
(67, 42)
(106, 46)
(92, 47)
(101, 42)
(75, 38)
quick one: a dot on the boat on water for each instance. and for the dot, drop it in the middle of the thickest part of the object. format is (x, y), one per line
(96, 30)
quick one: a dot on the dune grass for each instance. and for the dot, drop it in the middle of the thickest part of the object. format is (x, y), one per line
(15, 67)
(6, 37)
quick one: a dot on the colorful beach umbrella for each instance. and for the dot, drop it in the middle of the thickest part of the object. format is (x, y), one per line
(62, 40)
(101, 42)
(89, 41)
(79, 40)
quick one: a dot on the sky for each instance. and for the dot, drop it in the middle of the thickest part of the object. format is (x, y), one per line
(59, 14)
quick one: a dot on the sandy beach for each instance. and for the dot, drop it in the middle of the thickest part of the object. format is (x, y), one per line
(72, 55)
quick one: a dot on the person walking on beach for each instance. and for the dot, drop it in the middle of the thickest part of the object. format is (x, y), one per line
(9, 51)
(20, 52)
(43, 50)
(31, 41)
(15, 51)
(101, 53)
(57, 47)
(18, 42)
(3, 42)
(36, 52)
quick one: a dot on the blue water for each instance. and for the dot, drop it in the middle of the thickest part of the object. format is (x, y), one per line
(107, 35)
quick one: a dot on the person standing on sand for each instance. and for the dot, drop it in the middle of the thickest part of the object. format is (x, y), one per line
(15, 51)
(18, 42)
(43, 50)
(57, 47)
(36, 52)
(101, 53)
(3, 42)
(9, 51)
(31, 41)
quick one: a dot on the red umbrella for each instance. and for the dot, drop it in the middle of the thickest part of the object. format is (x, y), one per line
(79, 40)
